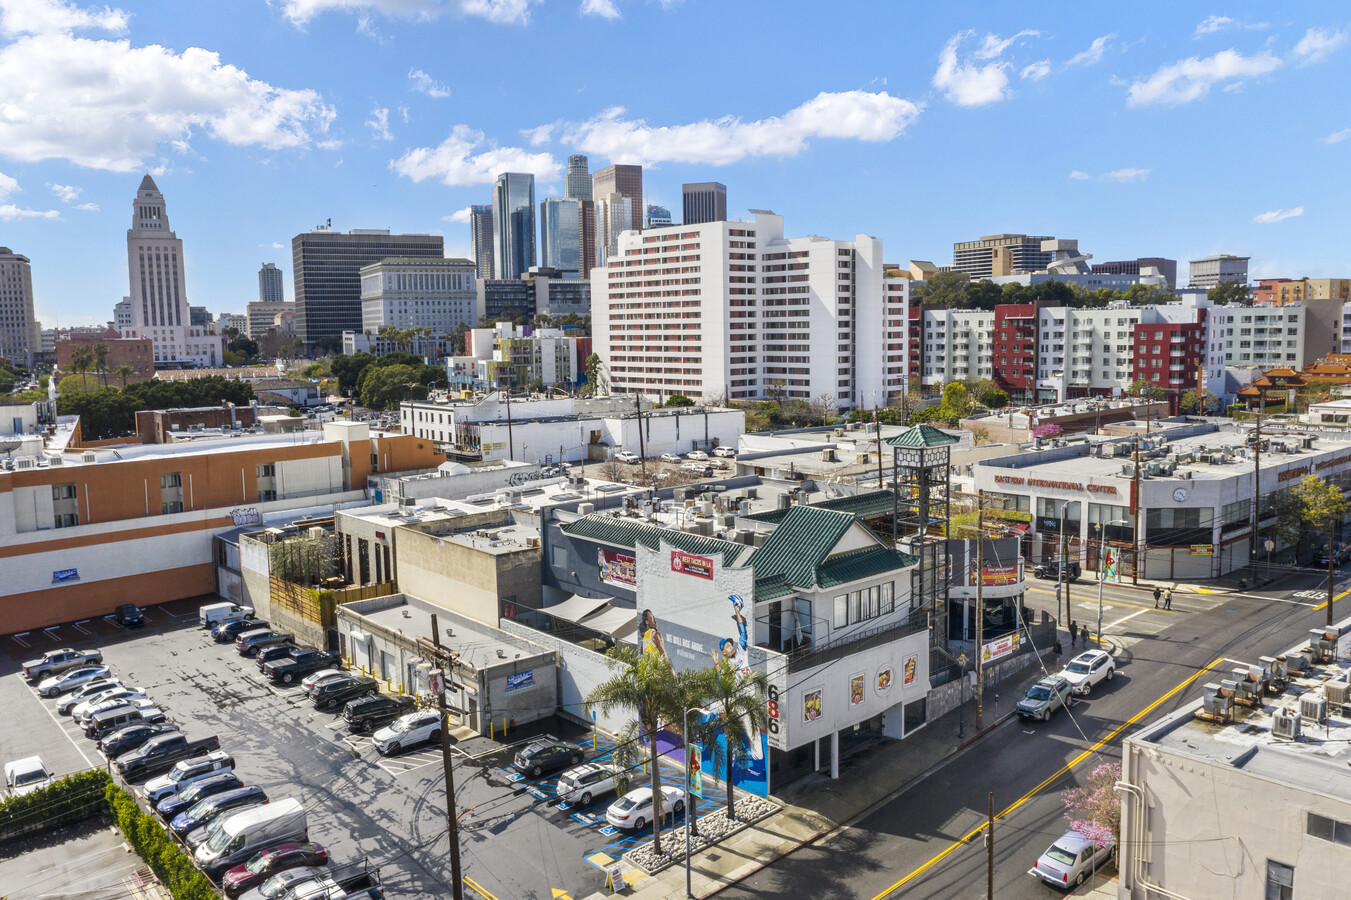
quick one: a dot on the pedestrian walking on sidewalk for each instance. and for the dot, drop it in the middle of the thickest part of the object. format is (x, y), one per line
(1156, 597)
(1059, 649)
(1083, 635)
(1168, 599)
(1074, 633)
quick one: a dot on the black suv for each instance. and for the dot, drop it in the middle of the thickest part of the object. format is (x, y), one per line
(369, 713)
(548, 754)
(1051, 571)
(226, 632)
(128, 615)
(332, 694)
(276, 651)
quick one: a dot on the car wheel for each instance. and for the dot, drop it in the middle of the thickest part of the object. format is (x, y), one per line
(1079, 879)
(1110, 673)
(575, 759)
(679, 807)
(536, 771)
(287, 678)
(393, 748)
(585, 799)
(1046, 714)
(1088, 686)
(366, 727)
(329, 704)
(639, 823)
(434, 737)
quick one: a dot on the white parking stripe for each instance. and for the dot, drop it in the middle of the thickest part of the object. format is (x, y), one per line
(48, 631)
(48, 709)
(20, 641)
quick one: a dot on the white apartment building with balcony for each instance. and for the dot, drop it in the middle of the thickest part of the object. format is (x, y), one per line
(737, 308)
(1088, 350)
(957, 346)
(1257, 336)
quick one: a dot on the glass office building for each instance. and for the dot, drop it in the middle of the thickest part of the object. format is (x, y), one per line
(561, 235)
(513, 225)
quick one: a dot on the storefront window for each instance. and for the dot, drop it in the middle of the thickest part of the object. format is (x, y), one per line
(1235, 515)
(1176, 527)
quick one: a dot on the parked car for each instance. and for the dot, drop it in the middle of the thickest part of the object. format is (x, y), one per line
(241, 835)
(634, 810)
(284, 884)
(87, 692)
(276, 651)
(225, 632)
(628, 456)
(335, 692)
(548, 754)
(298, 663)
(702, 470)
(23, 776)
(1044, 698)
(320, 677)
(1340, 553)
(71, 679)
(725, 452)
(369, 713)
(186, 772)
(105, 722)
(250, 642)
(129, 615)
(54, 662)
(1087, 669)
(203, 812)
(107, 700)
(129, 737)
(671, 457)
(408, 730)
(1052, 571)
(721, 464)
(582, 784)
(357, 881)
(213, 614)
(1070, 860)
(215, 783)
(697, 456)
(280, 858)
(160, 753)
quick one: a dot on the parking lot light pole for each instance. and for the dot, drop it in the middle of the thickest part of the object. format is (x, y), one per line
(445, 661)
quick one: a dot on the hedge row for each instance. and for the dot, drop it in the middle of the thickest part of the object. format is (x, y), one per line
(166, 857)
(69, 799)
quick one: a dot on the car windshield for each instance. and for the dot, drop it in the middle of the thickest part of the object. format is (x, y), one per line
(1077, 668)
(278, 884)
(258, 864)
(30, 777)
(1039, 693)
(216, 836)
(1061, 855)
(179, 770)
(202, 806)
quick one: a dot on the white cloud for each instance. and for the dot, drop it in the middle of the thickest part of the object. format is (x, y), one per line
(19, 17)
(993, 46)
(605, 9)
(9, 212)
(504, 12)
(426, 84)
(1126, 175)
(1036, 71)
(460, 215)
(105, 104)
(1191, 79)
(848, 115)
(1317, 44)
(277, 246)
(1272, 216)
(8, 185)
(1093, 54)
(405, 114)
(966, 84)
(66, 193)
(1214, 24)
(540, 134)
(88, 207)
(329, 145)
(1078, 175)
(1336, 137)
(455, 163)
(378, 123)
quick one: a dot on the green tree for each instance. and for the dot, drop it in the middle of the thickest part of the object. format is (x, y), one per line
(124, 372)
(348, 368)
(245, 347)
(677, 400)
(738, 697)
(595, 375)
(101, 361)
(329, 344)
(950, 289)
(956, 399)
(1144, 390)
(1311, 505)
(994, 398)
(645, 687)
(81, 361)
(385, 387)
(1226, 293)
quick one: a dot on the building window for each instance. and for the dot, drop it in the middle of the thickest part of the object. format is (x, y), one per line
(1280, 881)
(1328, 829)
(268, 470)
(841, 610)
(170, 480)
(171, 506)
(67, 520)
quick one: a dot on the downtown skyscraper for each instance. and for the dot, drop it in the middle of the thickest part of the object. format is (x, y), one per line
(19, 334)
(577, 183)
(481, 238)
(560, 221)
(513, 225)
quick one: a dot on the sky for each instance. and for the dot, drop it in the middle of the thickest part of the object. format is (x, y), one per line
(1143, 129)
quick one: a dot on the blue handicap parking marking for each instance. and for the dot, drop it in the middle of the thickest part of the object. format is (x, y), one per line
(588, 819)
(608, 830)
(538, 792)
(565, 805)
(514, 776)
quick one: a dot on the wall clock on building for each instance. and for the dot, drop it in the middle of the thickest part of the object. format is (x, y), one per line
(1180, 494)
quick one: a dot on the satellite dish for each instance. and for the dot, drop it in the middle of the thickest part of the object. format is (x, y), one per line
(8, 447)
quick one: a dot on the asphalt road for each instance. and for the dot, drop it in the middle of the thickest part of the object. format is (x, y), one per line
(927, 842)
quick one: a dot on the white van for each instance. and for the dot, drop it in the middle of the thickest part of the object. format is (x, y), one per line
(222, 612)
(233, 839)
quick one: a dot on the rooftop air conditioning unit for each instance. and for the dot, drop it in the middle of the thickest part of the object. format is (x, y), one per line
(1299, 661)
(316, 533)
(586, 509)
(1314, 707)
(89, 456)
(24, 462)
(1246, 690)
(1285, 724)
(1277, 677)
(1217, 701)
(1338, 691)
(1323, 644)
(1108, 450)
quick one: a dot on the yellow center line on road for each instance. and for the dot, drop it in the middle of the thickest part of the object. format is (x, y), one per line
(1063, 770)
(1324, 604)
(478, 888)
(1112, 602)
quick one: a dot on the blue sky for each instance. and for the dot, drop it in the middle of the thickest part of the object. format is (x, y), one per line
(1139, 129)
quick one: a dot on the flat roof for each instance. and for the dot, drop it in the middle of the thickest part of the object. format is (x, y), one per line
(478, 644)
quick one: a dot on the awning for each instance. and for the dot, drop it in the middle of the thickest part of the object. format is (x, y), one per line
(1020, 528)
(576, 608)
(616, 621)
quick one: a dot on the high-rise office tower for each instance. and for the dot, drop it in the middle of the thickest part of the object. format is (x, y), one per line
(20, 336)
(270, 288)
(577, 183)
(626, 181)
(481, 238)
(1001, 254)
(657, 217)
(513, 224)
(560, 228)
(613, 211)
(705, 201)
(326, 264)
(587, 232)
(159, 295)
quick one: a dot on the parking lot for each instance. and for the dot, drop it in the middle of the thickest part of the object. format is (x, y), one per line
(516, 841)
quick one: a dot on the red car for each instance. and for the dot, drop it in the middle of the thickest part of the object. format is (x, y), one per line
(268, 863)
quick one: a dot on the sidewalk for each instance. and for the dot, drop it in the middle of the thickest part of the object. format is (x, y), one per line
(817, 805)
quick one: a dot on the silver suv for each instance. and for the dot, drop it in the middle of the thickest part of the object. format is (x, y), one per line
(1045, 697)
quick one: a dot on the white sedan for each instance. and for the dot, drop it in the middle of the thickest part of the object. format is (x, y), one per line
(112, 693)
(124, 697)
(407, 730)
(1070, 860)
(1087, 669)
(634, 810)
(670, 457)
(72, 679)
(698, 455)
(93, 689)
(320, 677)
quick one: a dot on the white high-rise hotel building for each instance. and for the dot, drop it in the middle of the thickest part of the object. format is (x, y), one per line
(159, 297)
(736, 307)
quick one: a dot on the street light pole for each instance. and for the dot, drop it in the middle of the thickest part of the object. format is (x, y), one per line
(689, 801)
(980, 610)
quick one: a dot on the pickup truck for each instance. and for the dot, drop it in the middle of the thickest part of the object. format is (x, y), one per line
(297, 663)
(358, 881)
(54, 662)
(159, 754)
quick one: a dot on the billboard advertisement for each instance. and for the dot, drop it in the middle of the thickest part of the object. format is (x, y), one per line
(993, 576)
(689, 564)
(617, 568)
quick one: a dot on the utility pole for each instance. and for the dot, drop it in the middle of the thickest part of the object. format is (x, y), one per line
(1332, 523)
(642, 454)
(511, 445)
(1063, 577)
(1135, 528)
(446, 661)
(877, 424)
(980, 610)
(1257, 490)
(989, 847)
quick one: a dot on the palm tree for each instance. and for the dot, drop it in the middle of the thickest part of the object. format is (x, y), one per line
(738, 697)
(645, 686)
(81, 360)
(101, 360)
(124, 372)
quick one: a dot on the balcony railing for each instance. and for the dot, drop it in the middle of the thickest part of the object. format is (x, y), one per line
(856, 642)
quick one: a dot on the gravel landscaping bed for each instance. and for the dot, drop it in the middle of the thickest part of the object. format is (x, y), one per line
(713, 827)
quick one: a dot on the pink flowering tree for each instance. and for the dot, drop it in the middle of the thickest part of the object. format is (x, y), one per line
(1094, 810)
(1047, 431)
